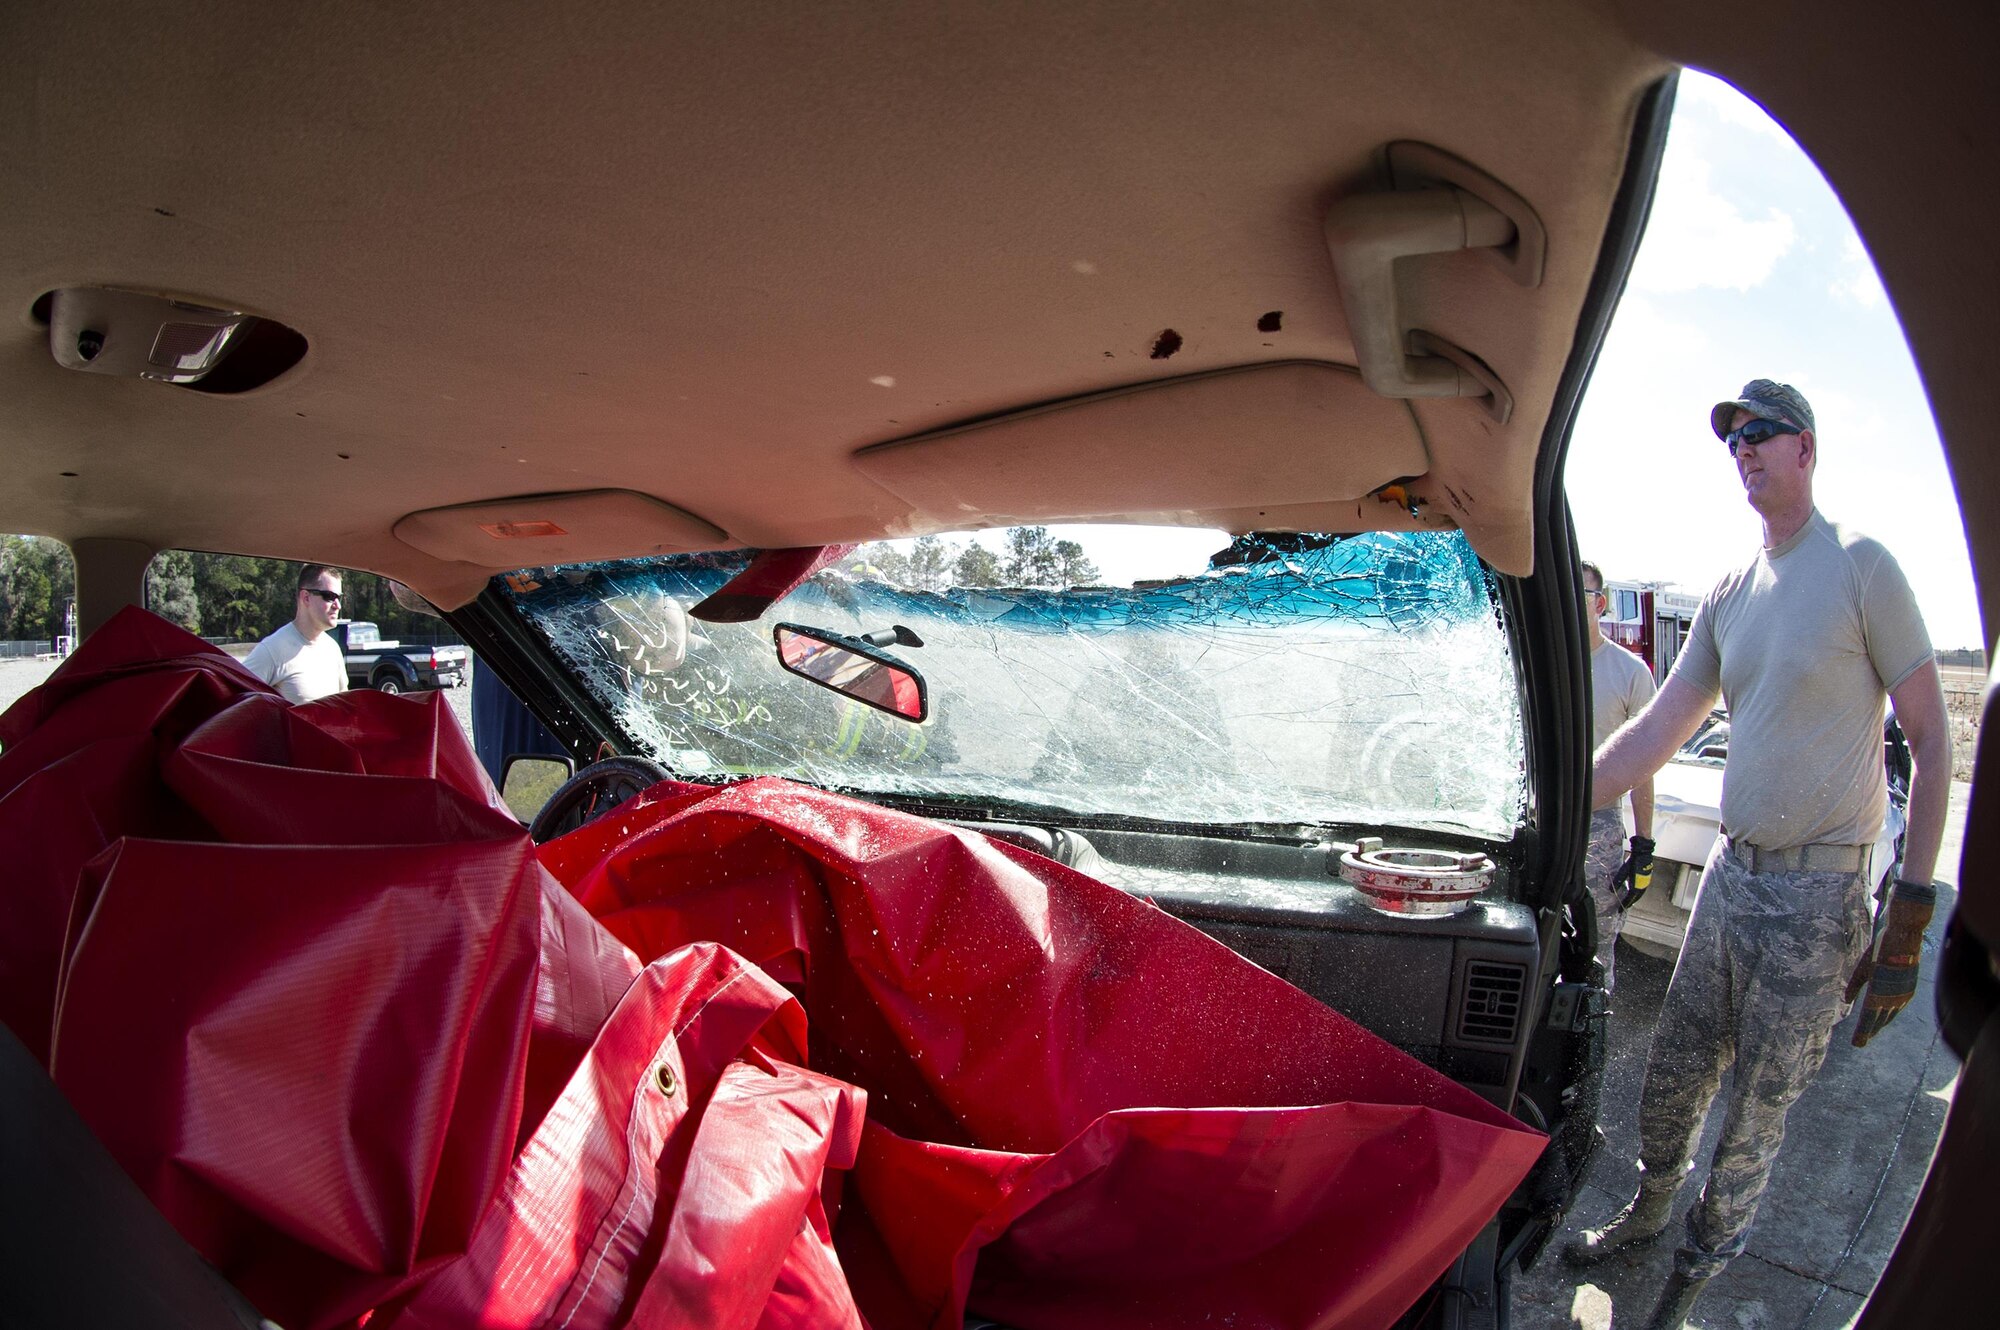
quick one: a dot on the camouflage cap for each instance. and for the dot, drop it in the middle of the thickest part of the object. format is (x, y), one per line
(1768, 399)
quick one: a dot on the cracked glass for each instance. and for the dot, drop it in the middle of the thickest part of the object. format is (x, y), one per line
(1296, 680)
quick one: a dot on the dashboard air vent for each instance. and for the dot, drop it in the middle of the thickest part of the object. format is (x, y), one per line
(1491, 1010)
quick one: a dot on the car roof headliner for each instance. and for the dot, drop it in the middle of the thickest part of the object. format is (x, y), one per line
(709, 253)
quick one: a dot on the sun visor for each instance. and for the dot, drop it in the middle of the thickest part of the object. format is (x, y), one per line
(1286, 433)
(579, 527)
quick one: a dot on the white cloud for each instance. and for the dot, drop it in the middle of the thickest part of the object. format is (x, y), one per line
(1857, 282)
(1697, 237)
(1700, 92)
(1647, 340)
(1852, 410)
(1651, 490)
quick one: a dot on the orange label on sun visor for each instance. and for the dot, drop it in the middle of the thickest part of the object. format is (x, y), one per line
(521, 530)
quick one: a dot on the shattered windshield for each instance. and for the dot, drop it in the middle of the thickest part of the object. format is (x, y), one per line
(1291, 680)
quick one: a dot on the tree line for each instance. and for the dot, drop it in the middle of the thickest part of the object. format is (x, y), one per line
(240, 599)
(230, 596)
(1028, 557)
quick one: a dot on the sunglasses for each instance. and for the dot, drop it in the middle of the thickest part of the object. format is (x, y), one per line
(1754, 432)
(330, 597)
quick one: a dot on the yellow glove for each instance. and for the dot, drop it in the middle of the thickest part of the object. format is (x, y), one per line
(1635, 874)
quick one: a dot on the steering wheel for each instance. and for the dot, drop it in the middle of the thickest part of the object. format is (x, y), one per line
(593, 792)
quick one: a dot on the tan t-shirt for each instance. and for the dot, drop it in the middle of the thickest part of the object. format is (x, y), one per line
(1804, 644)
(1620, 688)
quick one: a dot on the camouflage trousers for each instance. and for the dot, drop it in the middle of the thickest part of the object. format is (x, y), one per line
(1759, 988)
(1602, 859)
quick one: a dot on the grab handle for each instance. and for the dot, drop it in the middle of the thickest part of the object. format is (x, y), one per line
(1366, 235)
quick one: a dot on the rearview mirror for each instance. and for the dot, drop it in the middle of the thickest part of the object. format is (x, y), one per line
(854, 668)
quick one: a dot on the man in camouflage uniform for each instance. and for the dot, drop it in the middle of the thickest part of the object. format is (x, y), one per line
(1620, 688)
(1803, 643)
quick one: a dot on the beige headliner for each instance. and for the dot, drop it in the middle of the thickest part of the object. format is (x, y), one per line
(710, 254)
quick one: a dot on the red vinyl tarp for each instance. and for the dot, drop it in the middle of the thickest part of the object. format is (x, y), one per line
(756, 1056)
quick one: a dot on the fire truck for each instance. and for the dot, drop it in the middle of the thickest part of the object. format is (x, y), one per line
(1649, 621)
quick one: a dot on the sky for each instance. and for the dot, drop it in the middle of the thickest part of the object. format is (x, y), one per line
(1749, 268)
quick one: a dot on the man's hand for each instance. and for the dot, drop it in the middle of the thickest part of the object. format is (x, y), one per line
(1635, 874)
(1889, 969)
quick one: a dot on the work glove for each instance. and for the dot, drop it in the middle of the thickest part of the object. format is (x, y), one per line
(1888, 969)
(1635, 874)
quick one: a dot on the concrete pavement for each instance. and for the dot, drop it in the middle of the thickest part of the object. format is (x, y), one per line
(1857, 1146)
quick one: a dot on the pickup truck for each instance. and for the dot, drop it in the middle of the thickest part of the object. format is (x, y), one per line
(391, 667)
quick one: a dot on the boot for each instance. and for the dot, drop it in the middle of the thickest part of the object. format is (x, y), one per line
(1676, 1301)
(1640, 1222)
